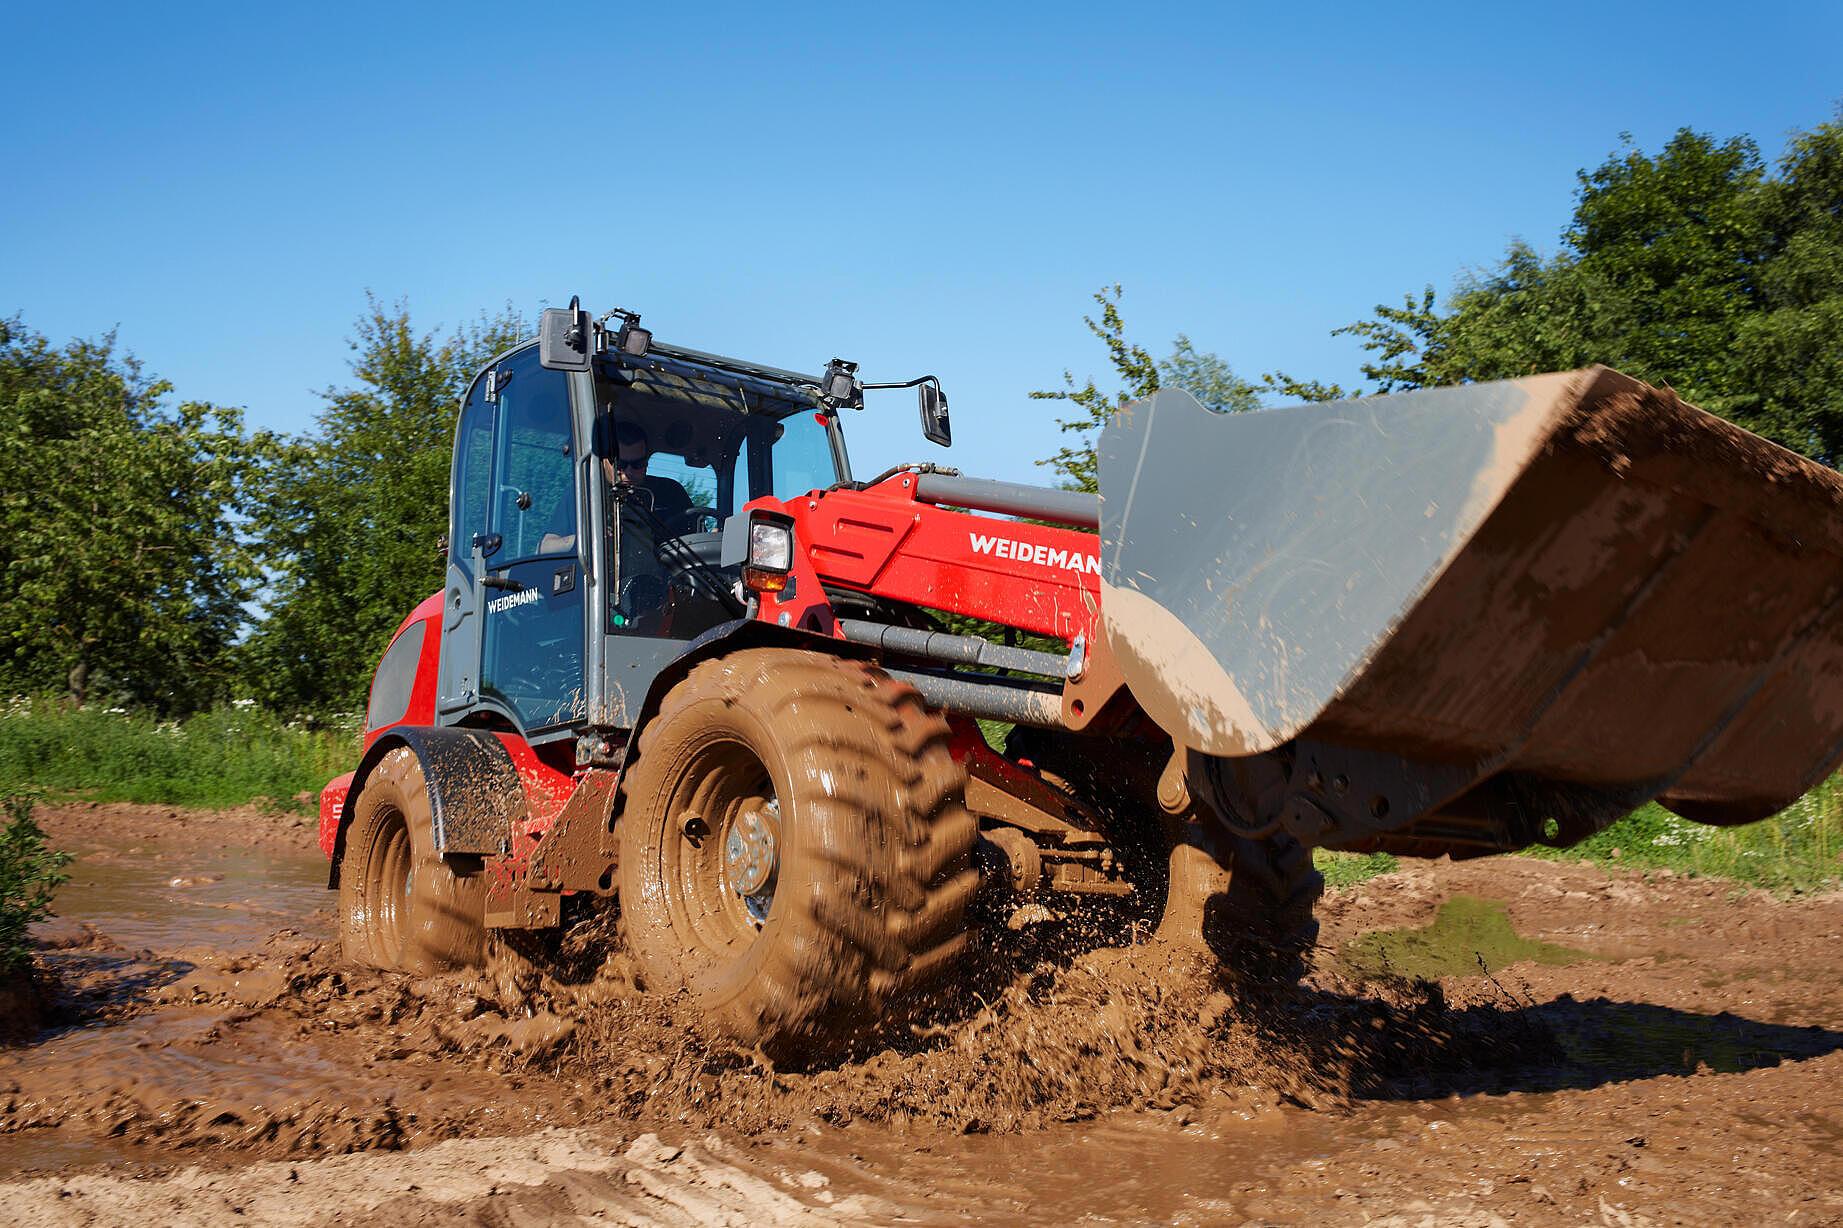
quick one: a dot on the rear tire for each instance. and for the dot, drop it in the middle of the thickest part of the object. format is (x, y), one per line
(796, 851)
(401, 907)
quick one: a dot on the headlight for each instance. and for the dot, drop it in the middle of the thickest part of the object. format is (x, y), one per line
(771, 546)
(771, 553)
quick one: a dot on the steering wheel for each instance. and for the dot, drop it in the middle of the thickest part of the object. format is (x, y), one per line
(641, 599)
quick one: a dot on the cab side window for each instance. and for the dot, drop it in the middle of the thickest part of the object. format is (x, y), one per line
(534, 492)
(472, 483)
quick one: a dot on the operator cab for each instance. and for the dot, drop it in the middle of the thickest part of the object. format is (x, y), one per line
(572, 579)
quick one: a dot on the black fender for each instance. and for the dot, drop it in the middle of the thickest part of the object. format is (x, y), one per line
(474, 791)
(731, 637)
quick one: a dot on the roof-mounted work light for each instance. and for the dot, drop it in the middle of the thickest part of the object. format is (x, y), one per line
(630, 339)
(839, 387)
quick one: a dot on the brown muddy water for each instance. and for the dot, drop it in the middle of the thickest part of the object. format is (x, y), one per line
(1631, 1051)
(127, 922)
(165, 899)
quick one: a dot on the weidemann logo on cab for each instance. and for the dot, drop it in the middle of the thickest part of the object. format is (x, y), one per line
(1043, 556)
(499, 605)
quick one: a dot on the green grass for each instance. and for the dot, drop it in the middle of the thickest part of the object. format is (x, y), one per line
(1799, 849)
(30, 874)
(1342, 870)
(228, 757)
(1466, 932)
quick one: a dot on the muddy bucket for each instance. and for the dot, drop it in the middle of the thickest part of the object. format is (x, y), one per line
(1572, 577)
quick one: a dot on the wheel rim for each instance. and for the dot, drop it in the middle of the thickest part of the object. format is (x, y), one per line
(751, 856)
(724, 848)
(389, 871)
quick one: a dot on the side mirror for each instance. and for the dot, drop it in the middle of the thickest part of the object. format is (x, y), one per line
(563, 338)
(935, 425)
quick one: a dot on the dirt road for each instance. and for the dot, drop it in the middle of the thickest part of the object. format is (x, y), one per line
(1639, 1051)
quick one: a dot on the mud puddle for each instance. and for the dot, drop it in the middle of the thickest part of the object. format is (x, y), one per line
(161, 899)
(137, 918)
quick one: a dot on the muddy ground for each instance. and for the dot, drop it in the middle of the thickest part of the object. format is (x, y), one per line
(1643, 1050)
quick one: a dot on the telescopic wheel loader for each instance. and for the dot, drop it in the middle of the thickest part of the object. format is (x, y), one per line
(729, 687)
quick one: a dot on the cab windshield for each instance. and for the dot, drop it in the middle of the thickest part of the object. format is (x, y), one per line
(718, 446)
(681, 455)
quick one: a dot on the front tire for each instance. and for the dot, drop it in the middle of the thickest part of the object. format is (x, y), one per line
(796, 851)
(402, 908)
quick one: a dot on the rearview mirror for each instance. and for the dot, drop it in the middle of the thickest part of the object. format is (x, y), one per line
(935, 426)
(563, 338)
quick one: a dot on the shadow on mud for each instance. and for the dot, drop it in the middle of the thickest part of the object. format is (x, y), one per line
(1405, 1041)
(1608, 1041)
(87, 988)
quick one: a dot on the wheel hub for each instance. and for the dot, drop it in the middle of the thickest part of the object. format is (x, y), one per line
(750, 856)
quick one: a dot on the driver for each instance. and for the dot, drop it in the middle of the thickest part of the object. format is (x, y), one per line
(632, 450)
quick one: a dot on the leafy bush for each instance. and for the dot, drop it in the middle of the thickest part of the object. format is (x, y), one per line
(225, 757)
(30, 874)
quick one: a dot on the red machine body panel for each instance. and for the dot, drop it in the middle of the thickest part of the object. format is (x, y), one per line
(421, 709)
(886, 542)
(332, 805)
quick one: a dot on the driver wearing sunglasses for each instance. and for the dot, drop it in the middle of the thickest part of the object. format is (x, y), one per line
(671, 502)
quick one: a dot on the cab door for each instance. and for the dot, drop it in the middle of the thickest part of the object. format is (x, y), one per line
(532, 625)
(513, 633)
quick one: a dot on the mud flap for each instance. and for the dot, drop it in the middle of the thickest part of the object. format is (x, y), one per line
(1569, 579)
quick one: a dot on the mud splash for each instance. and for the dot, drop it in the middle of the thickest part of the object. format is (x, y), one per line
(1034, 1036)
(202, 1040)
(288, 1051)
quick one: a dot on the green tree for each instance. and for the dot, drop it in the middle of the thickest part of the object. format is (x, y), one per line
(1204, 375)
(353, 510)
(1208, 378)
(1694, 267)
(120, 552)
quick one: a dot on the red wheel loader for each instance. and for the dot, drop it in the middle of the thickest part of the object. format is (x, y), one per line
(685, 664)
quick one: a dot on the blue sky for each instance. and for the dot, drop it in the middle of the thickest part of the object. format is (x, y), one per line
(921, 188)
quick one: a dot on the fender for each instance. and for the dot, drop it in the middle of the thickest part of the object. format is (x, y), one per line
(475, 794)
(729, 637)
